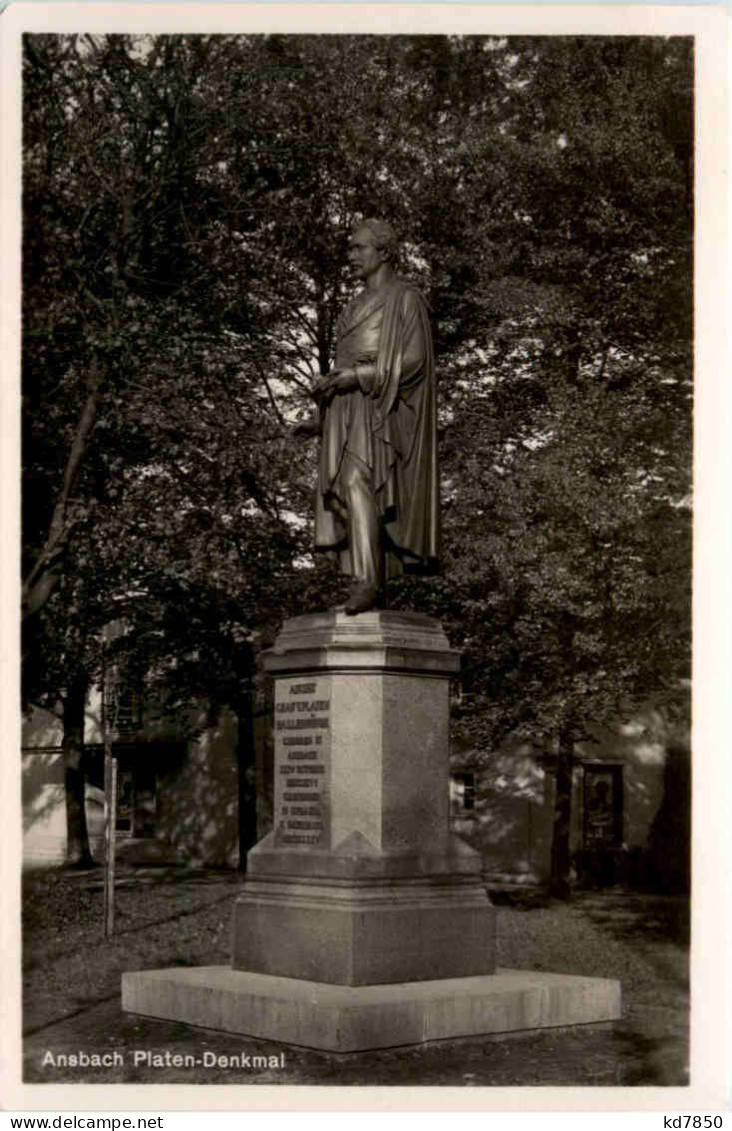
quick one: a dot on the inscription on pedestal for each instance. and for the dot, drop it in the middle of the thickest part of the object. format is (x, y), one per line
(302, 762)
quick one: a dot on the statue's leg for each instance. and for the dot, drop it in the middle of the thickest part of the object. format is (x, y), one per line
(364, 531)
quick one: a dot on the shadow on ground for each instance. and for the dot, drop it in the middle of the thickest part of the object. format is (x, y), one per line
(648, 917)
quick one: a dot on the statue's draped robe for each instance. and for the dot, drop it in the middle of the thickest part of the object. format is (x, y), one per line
(388, 423)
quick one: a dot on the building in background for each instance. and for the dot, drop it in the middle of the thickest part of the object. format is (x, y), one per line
(178, 796)
(176, 786)
(631, 805)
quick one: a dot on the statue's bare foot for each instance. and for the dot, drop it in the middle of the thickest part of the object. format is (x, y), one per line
(363, 597)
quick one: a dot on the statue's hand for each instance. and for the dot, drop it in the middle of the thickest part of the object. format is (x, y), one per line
(337, 381)
(322, 389)
(308, 428)
(345, 381)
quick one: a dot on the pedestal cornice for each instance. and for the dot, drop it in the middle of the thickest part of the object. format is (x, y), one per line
(380, 640)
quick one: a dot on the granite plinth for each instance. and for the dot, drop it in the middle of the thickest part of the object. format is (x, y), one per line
(349, 1019)
(361, 881)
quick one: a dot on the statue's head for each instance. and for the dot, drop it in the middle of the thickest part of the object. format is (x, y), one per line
(383, 236)
(372, 244)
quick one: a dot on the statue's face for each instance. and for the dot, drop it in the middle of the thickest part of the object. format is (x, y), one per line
(363, 255)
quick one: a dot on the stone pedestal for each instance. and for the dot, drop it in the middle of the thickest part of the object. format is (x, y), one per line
(360, 881)
(363, 921)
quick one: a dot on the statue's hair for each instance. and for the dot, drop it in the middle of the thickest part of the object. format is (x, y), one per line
(384, 235)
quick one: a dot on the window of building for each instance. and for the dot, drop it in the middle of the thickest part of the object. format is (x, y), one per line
(602, 806)
(463, 791)
(123, 709)
(125, 802)
(136, 800)
(129, 711)
(137, 785)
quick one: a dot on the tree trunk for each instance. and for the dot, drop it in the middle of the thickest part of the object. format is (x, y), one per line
(77, 835)
(559, 886)
(246, 762)
(44, 576)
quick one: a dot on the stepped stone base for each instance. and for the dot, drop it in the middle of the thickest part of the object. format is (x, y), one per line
(355, 1018)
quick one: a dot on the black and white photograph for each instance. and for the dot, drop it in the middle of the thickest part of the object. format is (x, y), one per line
(357, 408)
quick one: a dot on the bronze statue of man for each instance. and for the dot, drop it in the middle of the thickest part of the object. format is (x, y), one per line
(377, 496)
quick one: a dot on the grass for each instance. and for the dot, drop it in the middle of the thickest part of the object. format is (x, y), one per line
(166, 917)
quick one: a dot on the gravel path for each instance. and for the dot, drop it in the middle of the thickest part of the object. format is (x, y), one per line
(167, 918)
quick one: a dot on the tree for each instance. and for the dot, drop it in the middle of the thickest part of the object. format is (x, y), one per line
(187, 205)
(111, 218)
(569, 451)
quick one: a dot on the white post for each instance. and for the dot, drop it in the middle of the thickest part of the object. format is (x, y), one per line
(110, 828)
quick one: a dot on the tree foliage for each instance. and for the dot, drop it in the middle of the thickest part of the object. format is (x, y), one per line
(187, 202)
